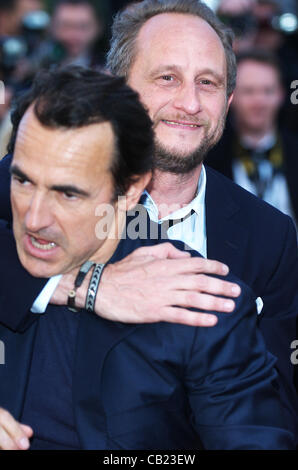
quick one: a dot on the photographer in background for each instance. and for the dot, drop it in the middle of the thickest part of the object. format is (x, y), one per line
(75, 29)
(23, 25)
(255, 151)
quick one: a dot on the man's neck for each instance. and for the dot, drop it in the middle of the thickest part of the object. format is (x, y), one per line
(112, 238)
(255, 136)
(170, 192)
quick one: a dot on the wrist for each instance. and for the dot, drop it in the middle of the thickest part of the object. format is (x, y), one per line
(81, 293)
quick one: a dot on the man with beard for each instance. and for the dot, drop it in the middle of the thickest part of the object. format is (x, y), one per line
(179, 58)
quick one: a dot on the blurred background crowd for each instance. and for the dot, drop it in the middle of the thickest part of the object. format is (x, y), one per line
(259, 148)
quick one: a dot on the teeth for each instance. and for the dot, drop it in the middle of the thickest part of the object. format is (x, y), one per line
(182, 125)
(48, 246)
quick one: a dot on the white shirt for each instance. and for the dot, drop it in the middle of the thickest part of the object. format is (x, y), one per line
(192, 231)
(42, 301)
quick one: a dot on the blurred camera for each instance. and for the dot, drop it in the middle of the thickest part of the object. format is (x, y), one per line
(15, 49)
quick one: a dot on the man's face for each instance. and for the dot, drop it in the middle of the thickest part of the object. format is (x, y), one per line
(59, 177)
(180, 73)
(258, 96)
(75, 27)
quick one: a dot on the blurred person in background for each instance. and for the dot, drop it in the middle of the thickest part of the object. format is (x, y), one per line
(278, 32)
(29, 42)
(75, 29)
(267, 35)
(270, 25)
(238, 14)
(22, 26)
(255, 151)
(12, 12)
(12, 50)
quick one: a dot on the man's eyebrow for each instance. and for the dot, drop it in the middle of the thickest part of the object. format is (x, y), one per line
(167, 68)
(218, 76)
(69, 188)
(63, 188)
(16, 171)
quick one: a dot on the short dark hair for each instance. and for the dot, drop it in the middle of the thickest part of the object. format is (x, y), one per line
(261, 56)
(73, 96)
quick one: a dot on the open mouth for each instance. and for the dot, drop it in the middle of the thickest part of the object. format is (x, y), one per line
(41, 244)
(184, 125)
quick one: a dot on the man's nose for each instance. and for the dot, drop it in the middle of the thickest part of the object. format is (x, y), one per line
(39, 214)
(188, 99)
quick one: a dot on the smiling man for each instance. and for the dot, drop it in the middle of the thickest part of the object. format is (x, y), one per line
(185, 94)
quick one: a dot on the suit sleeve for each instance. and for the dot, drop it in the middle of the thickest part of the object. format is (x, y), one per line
(18, 289)
(235, 402)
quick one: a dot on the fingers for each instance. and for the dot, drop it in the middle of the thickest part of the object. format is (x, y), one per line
(202, 301)
(207, 284)
(6, 442)
(203, 265)
(13, 435)
(185, 317)
(189, 266)
(27, 429)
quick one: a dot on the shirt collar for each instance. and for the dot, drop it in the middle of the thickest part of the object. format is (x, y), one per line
(196, 204)
(266, 143)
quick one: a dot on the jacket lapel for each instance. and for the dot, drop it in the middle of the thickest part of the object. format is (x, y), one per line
(226, 238)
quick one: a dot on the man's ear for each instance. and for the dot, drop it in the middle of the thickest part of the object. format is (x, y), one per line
(135, 191)
(230, 101)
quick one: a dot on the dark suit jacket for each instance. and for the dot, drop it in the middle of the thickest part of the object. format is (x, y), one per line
(160, 386)
(221, 158)
(254, 239)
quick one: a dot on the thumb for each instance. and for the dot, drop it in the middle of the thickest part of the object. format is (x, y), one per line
(27, 429)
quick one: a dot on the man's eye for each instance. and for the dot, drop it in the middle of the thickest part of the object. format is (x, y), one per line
(206, 82)
(168, 78)
(69, 196)
(20, 180)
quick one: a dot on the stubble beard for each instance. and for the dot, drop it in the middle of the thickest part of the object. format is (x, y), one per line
(168, 161)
